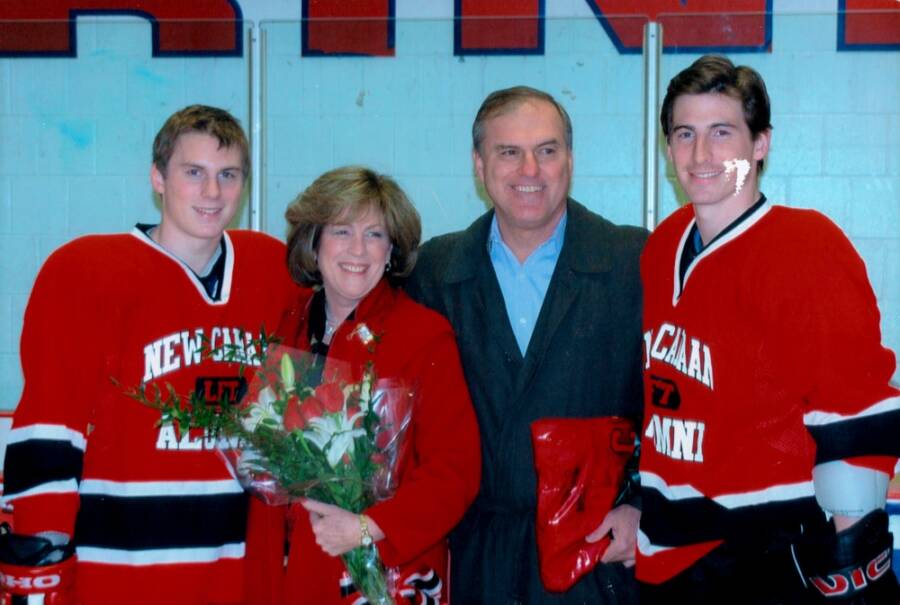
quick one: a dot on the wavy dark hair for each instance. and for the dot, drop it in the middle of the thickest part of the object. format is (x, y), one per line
(345, 194)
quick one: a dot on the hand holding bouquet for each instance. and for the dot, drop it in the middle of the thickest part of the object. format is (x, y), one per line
(302, 432)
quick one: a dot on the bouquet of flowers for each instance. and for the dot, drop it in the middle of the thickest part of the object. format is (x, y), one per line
(300, 432)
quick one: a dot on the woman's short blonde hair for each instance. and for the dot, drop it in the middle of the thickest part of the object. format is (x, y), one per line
(346, 194)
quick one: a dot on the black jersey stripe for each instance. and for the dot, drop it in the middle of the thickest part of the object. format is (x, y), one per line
(161, 522)
(428, 582)
(874, 435)
(693, 520)
(37, 461)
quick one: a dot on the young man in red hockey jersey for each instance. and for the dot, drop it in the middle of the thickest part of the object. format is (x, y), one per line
(770, 425)
(110, 507)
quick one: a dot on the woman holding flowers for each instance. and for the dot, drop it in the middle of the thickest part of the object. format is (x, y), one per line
(353, 238)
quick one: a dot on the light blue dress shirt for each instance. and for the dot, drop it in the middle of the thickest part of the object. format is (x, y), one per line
(524, 285)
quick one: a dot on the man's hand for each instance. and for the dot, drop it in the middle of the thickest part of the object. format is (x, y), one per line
(622, 524)
(337, 530)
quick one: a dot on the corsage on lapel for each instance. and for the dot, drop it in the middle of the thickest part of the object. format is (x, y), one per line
(365, 336)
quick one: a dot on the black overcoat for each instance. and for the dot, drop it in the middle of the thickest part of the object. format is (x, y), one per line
(584, 359)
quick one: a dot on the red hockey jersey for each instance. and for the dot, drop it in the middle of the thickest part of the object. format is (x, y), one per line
(157, 517)
(767, 361)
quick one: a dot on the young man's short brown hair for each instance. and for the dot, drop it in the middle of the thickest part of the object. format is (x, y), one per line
(717, 74)
(206, 120)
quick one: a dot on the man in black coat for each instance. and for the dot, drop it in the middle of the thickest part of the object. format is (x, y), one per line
(545, 299)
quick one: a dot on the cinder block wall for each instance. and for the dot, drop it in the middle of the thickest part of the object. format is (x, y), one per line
(76, 148)
(76, 134)
(411, 116)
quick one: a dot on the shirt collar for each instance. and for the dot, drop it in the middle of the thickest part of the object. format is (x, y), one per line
(585, 250)
(550, 247)
(696, 240)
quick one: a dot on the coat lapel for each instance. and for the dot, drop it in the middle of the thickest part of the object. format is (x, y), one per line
(579, 255)
(470, 265)
(496, 319)
(559, 298)
(471, 262)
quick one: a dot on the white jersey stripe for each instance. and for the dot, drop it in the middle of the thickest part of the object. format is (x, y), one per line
(53, 432)
(65, 486)
(140, 489)
(226, 278)
(161, 556)
(669, 492)
(774, 493)
(818, 418)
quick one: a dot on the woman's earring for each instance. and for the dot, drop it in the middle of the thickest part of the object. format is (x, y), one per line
(387, 266)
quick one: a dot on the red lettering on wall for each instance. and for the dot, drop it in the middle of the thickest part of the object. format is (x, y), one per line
(348, 27)
(485, 27)
(47, 28)
(868, 25)
(367, 27)
(689, 25)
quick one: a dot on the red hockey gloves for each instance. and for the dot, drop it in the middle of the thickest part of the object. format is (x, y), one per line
(851, 567)
(32, 567)
(580, 463)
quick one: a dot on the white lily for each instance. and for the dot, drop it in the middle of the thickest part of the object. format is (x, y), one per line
(334, 432)
(263, 408)
(287, 373)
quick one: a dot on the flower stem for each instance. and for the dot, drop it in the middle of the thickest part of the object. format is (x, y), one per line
(364, 566)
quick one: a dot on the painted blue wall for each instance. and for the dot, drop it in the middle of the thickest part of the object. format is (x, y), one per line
(76, 133)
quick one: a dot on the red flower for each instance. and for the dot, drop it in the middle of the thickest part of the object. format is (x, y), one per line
(331, 396)
(292, 416)
(297, 414)
(311, 408)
